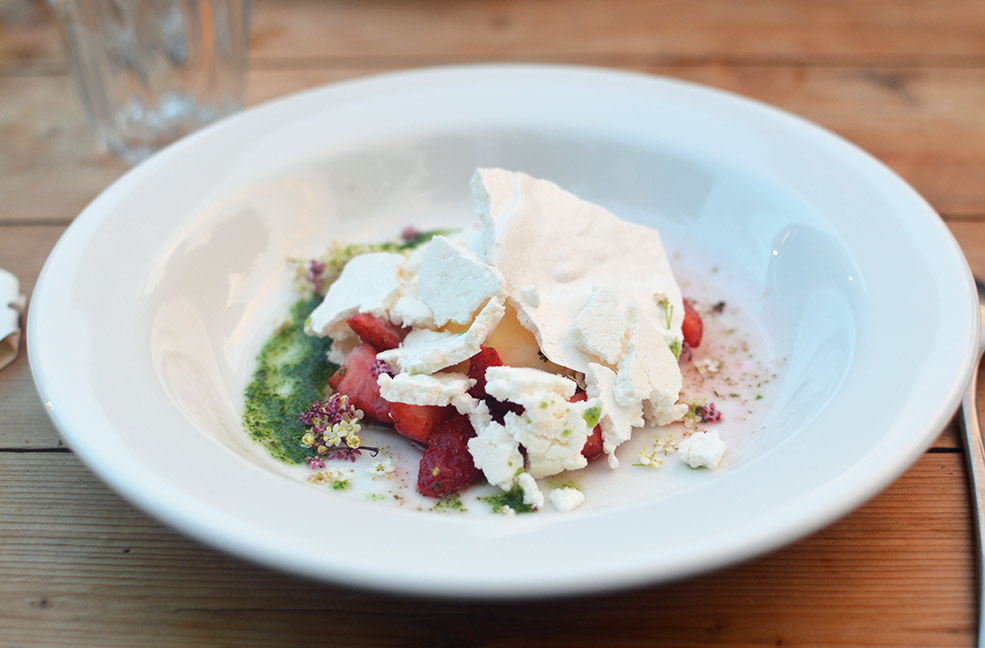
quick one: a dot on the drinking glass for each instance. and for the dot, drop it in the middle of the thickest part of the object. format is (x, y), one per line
(151, 71)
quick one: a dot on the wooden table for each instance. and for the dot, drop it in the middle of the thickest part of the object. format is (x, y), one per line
(904, 79)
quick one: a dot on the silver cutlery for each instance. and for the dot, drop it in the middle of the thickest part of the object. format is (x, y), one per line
(975, 447)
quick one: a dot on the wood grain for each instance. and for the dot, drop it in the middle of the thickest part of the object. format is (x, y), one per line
(620, 32)
(896, 569)
(625, 30)
(49, 169)
(23, 422)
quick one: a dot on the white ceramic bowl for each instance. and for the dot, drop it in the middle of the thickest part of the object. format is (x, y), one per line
(149, 312)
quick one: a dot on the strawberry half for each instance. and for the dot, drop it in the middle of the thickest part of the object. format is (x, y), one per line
(692, 327)
(447, 466)
(355, 379)
(379, 333)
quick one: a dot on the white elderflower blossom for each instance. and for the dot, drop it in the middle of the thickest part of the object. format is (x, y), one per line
(382, 468)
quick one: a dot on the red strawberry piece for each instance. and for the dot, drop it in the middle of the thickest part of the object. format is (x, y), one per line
(693, 327)
(447, 466)
(593, 444)
(416, 421)
(355, 379)
(380, 333)
(485, 358)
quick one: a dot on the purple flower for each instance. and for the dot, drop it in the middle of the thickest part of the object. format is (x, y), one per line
(380, 367)
(313, 273)
(410, 234)
(323, 415)
(708, 413)
(351, 453)
(315, 463)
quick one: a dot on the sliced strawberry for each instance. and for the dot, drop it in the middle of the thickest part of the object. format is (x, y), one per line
(380, 333)
(416, 421)
(693, 327)
(593, 444)
(355, 379)
(447, 466)
(485, 358)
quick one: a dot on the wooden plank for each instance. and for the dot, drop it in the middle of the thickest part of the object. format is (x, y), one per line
(80, 564)
(24, 249)
(798, 31)
(925, 124)
(49, 170)
(23, 422)
(950, 437)
(970, 235)
(29, 39)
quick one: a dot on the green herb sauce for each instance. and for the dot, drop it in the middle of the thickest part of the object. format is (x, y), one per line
(563, 482)
(512, 498)
(291, 373)
(449, 504)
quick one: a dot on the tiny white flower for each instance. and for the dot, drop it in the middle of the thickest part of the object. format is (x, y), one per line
(707, 366)
(650, 458)
(332, 437)
(665, 444)
(381, 468)
(339, 474)
(506, 509)
(343, 431)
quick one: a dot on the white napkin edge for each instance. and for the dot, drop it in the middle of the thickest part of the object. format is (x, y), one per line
(12, 304)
